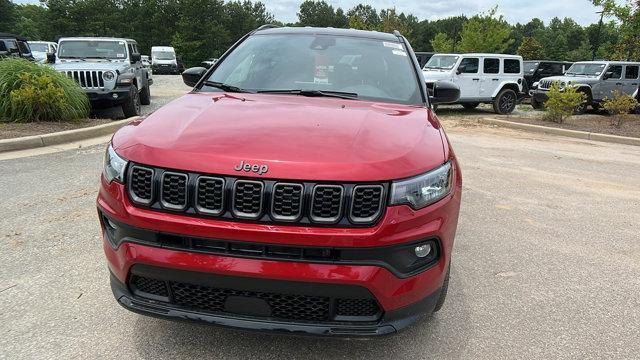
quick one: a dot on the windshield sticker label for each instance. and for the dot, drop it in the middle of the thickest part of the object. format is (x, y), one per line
(120, 55)
(392, 45)
(399, 52)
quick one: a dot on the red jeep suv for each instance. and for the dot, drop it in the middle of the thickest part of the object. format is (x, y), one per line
(303, 186)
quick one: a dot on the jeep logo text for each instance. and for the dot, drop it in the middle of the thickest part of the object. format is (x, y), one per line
(260, 169)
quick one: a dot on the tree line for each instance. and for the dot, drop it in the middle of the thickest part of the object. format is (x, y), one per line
(202, 29)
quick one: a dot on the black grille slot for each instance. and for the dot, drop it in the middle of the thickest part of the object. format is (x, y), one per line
(141, 185)
(287, 201)
(174, 190)
(210, 195)
(326, 203)
(366, 203)
(356, 307)
(283, 306)
(149, 286)
(247, 199)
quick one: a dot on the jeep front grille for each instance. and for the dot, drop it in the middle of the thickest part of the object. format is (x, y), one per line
(230, 198)
(544, 84)
(87, 79)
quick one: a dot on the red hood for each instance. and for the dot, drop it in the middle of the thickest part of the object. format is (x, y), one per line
(297, 137)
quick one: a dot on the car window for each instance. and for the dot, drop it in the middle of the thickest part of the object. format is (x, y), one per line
(12, 46)
(24, 48)
(616, 70)
(446, 62)
(469, 66)
(511, 66)
(491, 66)
(371, 68)
(548, 69)
(3, 47)
(631, 73)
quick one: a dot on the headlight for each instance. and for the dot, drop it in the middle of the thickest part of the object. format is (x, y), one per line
(114, 166)
(108, 75)
(423, 190)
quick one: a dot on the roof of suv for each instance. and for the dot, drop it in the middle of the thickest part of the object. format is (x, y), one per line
(608, 62)
(96, 38)
(509, 56)
(12, 36)
(330, 31)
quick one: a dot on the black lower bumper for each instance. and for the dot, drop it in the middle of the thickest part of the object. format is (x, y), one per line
(114, 97)
(539, 96)
(389, 323)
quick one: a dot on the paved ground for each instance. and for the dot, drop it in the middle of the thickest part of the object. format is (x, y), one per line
(546, 264)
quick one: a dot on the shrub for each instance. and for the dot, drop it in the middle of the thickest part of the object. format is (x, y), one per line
(31, 92)
(562, 103)
(618, 106)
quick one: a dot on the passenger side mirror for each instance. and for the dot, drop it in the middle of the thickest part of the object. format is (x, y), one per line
(191, 76)
(461, 69)
(445, 92)
(51, 58)
(135, 58)
(608, 75)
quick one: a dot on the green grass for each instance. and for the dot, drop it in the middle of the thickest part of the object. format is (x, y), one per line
(30, 92)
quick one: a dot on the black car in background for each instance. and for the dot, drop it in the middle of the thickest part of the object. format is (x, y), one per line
(15, 46)
(423, 57)
(534, 70)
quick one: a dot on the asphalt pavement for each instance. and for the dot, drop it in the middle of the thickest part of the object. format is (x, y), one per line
(546, 264)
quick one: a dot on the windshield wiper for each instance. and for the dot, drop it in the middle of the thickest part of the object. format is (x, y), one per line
(312, 93)
(226, 87)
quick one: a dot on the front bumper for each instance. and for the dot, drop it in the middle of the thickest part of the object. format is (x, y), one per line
(114, 97)
(539, 95)
(164, 69)
(402, 300)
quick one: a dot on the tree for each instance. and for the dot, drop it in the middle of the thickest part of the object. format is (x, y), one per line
(531, 49)
(390, 21)
(442, 43)
(628, 15)
(340, 20)
(582, 53)
(363, 17)
(486, 33)
(316, 13)
(6, 15)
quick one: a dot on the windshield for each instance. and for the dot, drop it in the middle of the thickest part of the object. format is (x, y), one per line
(365, 68)
(530, 66)
(163, 55)
(586, 69)
(92, 49)
(39, 47)
(445, 62)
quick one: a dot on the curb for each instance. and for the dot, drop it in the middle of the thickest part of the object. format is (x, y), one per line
(585, 135)
(36, 141)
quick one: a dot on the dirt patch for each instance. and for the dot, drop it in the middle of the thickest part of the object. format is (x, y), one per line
(14, 130)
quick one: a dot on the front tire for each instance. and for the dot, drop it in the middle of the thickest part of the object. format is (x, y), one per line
(505, 102)
(145, 96)
(443, 291)
(537, 105)
(582, 108)
(132, 106)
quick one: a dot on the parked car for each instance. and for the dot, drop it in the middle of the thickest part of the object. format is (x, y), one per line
(163, 60)
(495, 79)
(15, 46)
(534, 70)
(423, 57)
(110, 71)
(596, 79)
(312, 198)
(42, 50)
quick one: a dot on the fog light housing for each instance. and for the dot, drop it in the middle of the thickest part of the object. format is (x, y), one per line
(422, 250)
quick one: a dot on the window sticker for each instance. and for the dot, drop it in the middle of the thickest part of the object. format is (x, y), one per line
(392, 45)
(399, 52)
(120, 55)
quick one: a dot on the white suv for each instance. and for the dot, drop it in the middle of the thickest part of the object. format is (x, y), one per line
(482, 78)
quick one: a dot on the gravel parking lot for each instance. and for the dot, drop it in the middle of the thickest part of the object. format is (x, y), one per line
(546, 262)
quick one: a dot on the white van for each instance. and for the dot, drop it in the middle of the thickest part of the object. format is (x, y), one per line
(495, 79)
(163, 60)
(41, 50)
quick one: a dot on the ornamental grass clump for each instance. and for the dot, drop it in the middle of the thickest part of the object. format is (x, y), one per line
(30, 92)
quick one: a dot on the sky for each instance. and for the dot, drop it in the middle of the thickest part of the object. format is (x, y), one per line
(582, 11)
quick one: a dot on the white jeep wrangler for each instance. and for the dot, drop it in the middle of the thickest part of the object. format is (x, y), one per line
(495, 79)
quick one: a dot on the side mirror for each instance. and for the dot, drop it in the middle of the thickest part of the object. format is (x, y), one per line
(51, 58)
(461, 69)
(191, 76)
(135, 58)
(608, 75)
(445, 92)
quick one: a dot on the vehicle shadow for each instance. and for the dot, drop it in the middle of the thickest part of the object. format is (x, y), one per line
(442, 334)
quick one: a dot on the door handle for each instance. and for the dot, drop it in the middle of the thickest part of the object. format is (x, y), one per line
(475, 79)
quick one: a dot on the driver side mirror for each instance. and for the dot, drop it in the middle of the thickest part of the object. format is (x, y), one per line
(191, 76)
(461, 69)
(445, 92)
(608, 75)
(51, 58)
(135, 58)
